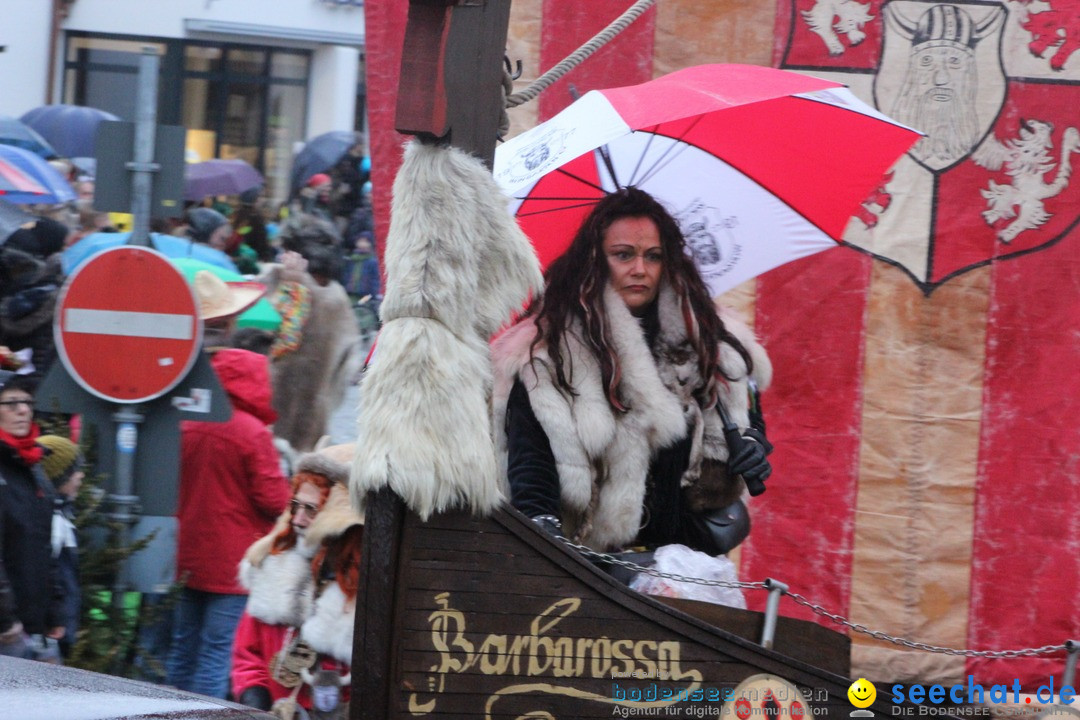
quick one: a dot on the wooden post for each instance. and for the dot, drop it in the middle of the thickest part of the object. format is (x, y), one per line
(373, 634)
(451, 73)
(450, 93)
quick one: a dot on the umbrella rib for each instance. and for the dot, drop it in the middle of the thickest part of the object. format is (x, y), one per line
(641, 158)
(572, 176)
(605, 155)
(585, 202)
(661, 162)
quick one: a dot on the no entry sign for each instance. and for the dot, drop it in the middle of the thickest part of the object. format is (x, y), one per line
(127, 325)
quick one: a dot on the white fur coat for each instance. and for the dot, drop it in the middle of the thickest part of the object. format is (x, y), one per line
(457, 267)
(282, 589)
(601, 452)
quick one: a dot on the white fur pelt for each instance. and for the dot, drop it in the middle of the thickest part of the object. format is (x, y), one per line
(329, 628)
(603, 456)
(457, 268)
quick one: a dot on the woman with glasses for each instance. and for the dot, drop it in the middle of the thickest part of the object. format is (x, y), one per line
(302, 580)
(31, 602)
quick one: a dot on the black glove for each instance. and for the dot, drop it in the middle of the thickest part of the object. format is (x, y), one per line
(750, 461)
(257, 697)
(549, 524)
(759, 435)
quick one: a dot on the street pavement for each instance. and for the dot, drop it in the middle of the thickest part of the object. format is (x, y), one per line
(342, 425)
(343, 421)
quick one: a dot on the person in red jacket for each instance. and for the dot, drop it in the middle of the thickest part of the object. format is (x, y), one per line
(303, 579)
(231, 490)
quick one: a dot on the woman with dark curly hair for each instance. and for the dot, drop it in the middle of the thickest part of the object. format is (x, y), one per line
(616, 385)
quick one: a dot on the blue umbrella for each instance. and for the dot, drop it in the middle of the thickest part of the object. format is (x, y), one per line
(168, 245)
(57, 189)
(320, 154)
(70, 129)
(17, 133)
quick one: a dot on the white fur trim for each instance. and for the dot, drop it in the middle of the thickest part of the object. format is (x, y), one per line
(279, 589)
(329, 629)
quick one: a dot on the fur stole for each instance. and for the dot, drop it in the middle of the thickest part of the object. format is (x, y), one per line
(457, 267)
(603, 456)
(281, 588)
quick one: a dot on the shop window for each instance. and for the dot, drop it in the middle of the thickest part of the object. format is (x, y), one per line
(246, 62)
(289, 66)
(202, 58)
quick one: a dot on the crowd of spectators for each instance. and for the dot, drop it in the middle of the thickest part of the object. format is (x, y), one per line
(312, 259)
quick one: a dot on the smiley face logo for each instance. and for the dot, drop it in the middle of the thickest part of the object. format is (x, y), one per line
(862, 693)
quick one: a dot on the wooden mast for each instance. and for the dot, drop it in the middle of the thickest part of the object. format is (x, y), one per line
(449, 94)
(451, 73)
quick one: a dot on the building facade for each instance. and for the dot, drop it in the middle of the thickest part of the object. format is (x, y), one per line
(248, 78)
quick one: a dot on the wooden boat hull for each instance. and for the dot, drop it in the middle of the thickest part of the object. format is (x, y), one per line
(490, 618)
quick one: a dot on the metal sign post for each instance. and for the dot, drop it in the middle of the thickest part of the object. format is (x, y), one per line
(127, 330)
(144, 167)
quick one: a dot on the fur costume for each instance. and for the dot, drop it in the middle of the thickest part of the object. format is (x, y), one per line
(603, 456)
(281, 587)
(457, 267)
(309, 381)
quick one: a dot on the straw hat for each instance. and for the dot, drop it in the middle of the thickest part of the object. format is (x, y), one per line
(218, 299)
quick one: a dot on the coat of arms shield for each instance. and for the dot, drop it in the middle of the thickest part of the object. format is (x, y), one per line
(992, 85)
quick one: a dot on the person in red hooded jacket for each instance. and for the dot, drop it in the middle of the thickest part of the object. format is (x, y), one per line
(231, 491)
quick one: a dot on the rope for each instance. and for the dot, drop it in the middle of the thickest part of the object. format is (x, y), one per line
(840, 620)
(580, 55)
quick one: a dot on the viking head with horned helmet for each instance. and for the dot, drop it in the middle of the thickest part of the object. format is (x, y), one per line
(938, 92)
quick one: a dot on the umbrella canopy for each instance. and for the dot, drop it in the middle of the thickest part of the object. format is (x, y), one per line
(70, 129)
(168, 245)
(261, 315)
(14, 182)
(219, 177)
(15, 132)
(759, 166)
(55, 188)
(11, 219)
(319, 154)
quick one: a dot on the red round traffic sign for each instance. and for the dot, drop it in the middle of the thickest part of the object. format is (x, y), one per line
(127, 325)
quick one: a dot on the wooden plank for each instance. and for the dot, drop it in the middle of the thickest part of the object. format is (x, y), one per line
(800, 639)
(451, 73)
(469, 622)
(373, 632)
(487, 599)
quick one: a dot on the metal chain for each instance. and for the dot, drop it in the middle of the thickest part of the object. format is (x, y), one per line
(667, 576)
(819, 610)
(879, 635)
(580, 55)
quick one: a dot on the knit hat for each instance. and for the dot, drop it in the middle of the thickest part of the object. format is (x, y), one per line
(202, 222)
(62, 458)
(13, 381)
(318, 179)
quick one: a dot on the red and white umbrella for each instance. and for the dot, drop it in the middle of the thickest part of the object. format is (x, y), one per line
(760, 166)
